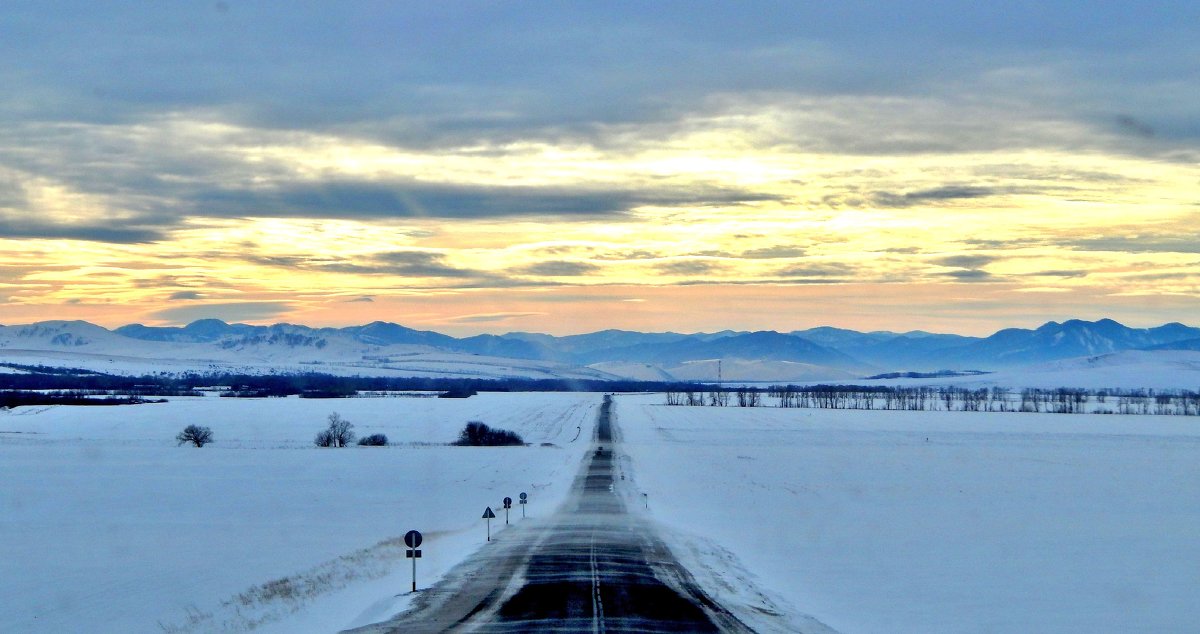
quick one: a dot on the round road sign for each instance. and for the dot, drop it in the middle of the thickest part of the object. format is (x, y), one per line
(412, 539)
(507, 503)
(524, 496)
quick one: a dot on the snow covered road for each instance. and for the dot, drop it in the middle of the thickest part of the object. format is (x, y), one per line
(593, 567)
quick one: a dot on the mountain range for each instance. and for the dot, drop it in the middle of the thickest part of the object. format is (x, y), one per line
(823, 353)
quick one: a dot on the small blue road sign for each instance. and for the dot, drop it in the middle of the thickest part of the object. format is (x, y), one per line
(412, 539)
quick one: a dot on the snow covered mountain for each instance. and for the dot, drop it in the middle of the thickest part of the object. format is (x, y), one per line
(213, 346)
(1069, 339)
(387, 349)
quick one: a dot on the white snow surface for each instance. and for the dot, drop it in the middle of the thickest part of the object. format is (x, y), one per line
(866, 521)
(875, 521)
(1132, 369)
(107, 526)
(758, 370)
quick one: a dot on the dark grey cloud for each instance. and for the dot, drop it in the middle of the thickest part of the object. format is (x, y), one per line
(1148, 244)
(12, 193)
(972, 261)
(559, 268)
(1065, 273)
(365, 299)
(968, 275)
(777, 252)
(489, 317)
(31, 228)
(401, 263)
(178, 281)
(418, 264)
(690, 267)
(439, 72)
(629, 255)
(852, 77)
(411, 264)
(1131, 125)
(185, 295)
(1010, 243)
(817, 270)
(409, 199)
(926, 196)
(230, 312)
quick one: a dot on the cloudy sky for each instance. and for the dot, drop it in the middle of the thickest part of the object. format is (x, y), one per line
(566, 167)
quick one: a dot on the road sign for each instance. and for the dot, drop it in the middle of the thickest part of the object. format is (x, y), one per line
(507, 503)
(412, 539)
(524, 496)
(489, 516)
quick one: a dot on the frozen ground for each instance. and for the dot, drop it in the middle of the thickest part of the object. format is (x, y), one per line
(929, 521)
(107, 526)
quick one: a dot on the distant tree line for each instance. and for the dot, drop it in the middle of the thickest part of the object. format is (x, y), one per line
(312, 385)
(947, 398)
(12, 399)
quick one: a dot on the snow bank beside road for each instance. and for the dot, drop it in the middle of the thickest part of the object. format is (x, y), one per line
(933, 521)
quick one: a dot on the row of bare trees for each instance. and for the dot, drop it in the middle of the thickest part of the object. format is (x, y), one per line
(947, 398)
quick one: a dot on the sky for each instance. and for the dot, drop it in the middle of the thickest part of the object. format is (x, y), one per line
(566, 167)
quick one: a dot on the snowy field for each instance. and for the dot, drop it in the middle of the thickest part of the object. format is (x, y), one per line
(107, 526)
(867, 521)
(929, 521)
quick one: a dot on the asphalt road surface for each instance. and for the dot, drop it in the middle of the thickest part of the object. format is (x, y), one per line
(591, 567)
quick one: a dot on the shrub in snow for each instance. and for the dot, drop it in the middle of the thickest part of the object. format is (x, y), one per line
(374, 440)
(477, 434)
(195, 434)
(337, 434)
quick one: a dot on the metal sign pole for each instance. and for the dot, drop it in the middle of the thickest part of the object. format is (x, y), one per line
(488, 515)
(413, 539)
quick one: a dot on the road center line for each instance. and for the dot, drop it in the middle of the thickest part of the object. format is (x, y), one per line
(597, 602)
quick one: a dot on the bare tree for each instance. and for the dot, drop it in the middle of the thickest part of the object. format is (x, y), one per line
(338, 433)
(195, 434)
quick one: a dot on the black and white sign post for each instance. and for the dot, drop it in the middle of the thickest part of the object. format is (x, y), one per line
(412, 539)
(524, 499)
(507, 505)
(489, 515)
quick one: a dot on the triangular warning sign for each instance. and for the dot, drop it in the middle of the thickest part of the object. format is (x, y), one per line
(488, 514)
